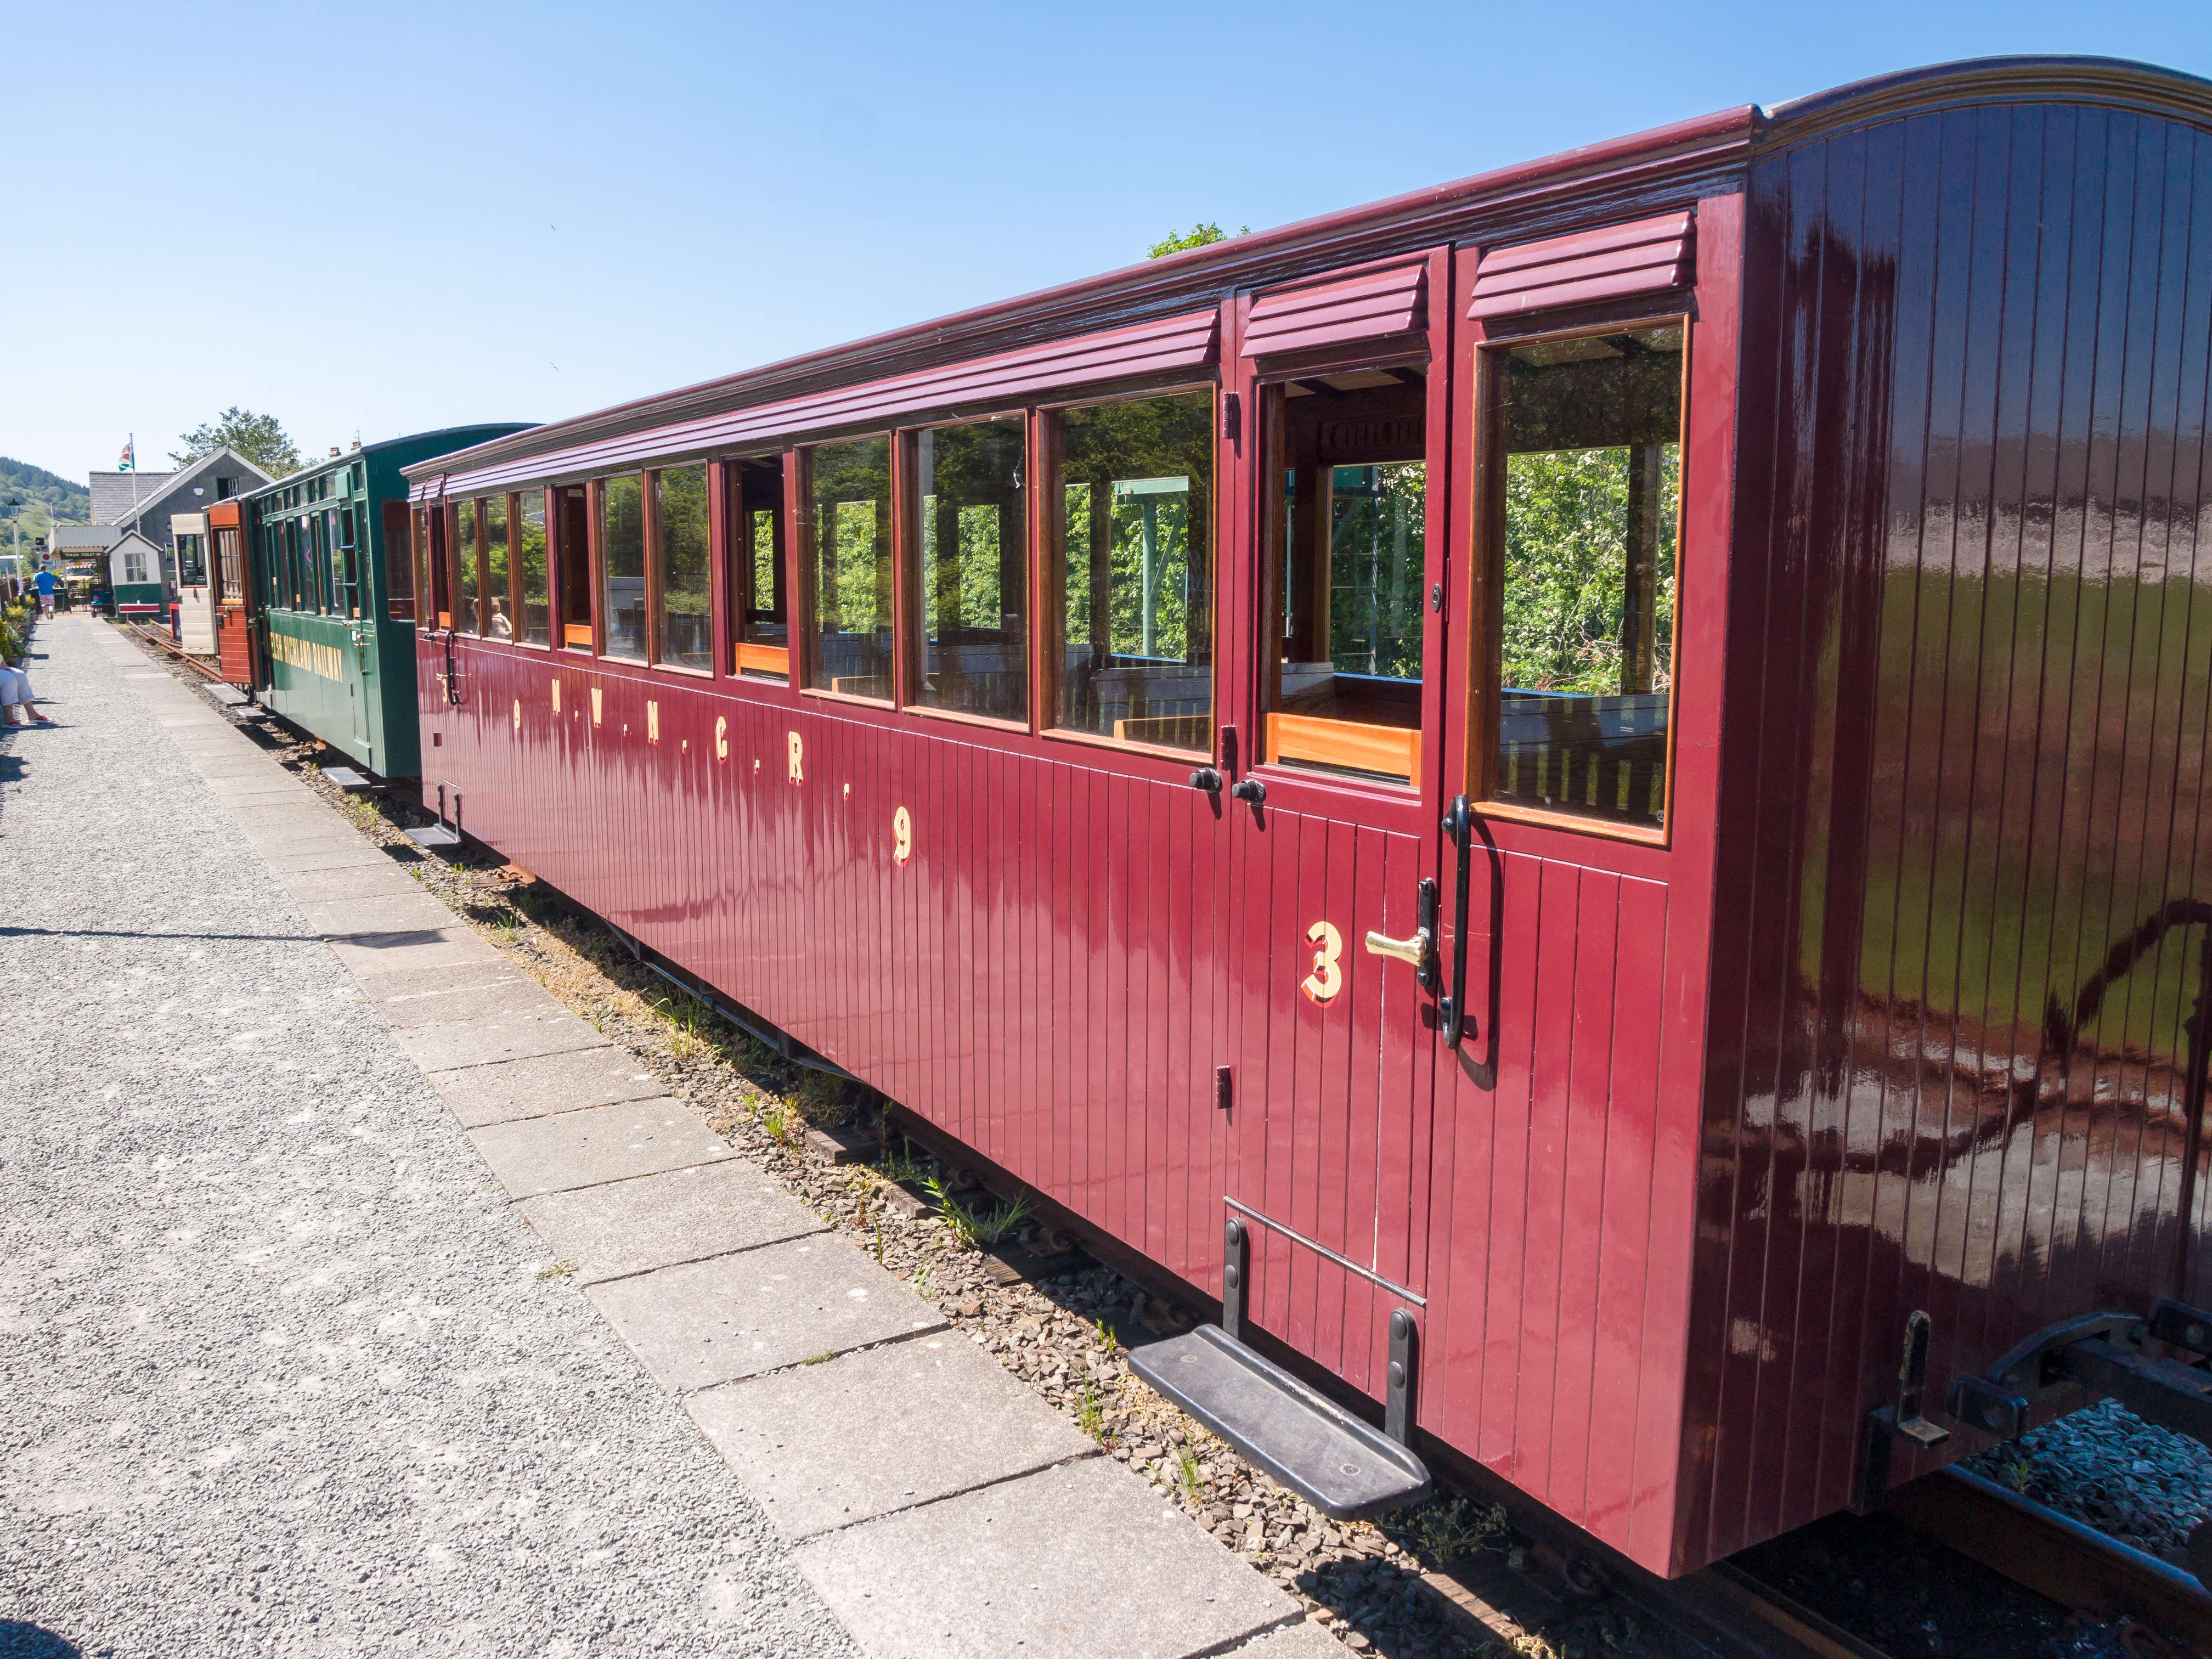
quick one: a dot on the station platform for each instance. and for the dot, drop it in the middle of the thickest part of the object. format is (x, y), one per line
(360, 1296)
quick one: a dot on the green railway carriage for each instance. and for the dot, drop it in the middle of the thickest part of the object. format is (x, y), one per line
(333, 596)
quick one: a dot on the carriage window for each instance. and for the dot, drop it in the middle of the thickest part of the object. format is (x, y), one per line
(851, 532)
(535, 613)
(495, 624)
(351, 563)
(1346, 692)
(680, 553)
(399, 563)
(1133, 526)
(573, 551)
(230, 569)
(622, 562)
(758, 619)
(468, 547)
(435, 578)
(1585, 493)
(969, 559)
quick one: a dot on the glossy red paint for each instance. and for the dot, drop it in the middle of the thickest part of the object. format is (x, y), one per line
(1963, 761)
(1890, 1018)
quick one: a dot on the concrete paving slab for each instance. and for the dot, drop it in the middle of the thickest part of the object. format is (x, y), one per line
(1080, 1562)
(1303, 1640)
(830, 1445)
(361, 852)
(606, 1143)
(518, 1089)
(277, 829)
(417, 947)
(626, 1227)
(389, 913)
(304, 837)
(386, 879)
(408, 985)
(509, 996)
(759, 1310)
(546, 1029)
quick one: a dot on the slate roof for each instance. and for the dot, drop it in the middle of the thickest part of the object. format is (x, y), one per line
(110, 493)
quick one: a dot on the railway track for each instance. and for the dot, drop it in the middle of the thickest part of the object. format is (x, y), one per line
(156, 637)
(1733, 1608)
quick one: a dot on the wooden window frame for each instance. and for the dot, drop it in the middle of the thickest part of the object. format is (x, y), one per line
(1267, 393)
(732, 540)
(1487, 568)
(907, 634)
(595, 504)
(1048, 561)
(656, 574)
(514, 568)
(808, 640)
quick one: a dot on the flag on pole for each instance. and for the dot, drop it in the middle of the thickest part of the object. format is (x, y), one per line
(129, 461)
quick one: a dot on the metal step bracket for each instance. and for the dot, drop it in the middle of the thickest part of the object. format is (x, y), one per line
(1345, 1467)
(1900, 1419)
(440, 834)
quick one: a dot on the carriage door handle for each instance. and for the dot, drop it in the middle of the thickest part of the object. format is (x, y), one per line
(1420, 950)
(1460, 828)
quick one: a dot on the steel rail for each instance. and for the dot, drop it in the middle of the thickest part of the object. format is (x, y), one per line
(178, 652)
(2053, 1554)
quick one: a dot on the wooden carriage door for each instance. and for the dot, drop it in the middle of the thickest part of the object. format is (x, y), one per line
(1336, 867)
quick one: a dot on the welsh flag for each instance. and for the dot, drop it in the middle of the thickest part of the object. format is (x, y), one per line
(129, 461)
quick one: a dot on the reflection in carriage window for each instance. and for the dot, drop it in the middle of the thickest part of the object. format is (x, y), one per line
(621, 542)
(1345, 697)
(760, 628)
(467, 546)
(530, 566)
(852, 535)
(496, 623)
(680, 551)
(972, 582)
(1133, 520)
(1586, 493)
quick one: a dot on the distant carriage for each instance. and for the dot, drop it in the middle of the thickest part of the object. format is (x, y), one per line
(1579, 792)
(320, 559)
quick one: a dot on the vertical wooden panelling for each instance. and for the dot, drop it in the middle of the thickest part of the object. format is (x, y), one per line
(1964, 759)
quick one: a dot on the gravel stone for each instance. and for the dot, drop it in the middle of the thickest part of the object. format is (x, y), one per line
(281, 1372)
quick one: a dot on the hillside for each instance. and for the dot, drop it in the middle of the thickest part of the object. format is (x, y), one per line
(44, 496)
(63, 500)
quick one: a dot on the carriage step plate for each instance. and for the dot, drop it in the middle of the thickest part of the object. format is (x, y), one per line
(435, 835)
(345, 777)
(1343, 1467)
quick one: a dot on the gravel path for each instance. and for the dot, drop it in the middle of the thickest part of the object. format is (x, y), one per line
(280, 1374)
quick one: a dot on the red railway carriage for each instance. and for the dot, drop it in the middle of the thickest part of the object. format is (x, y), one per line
(1587, 784)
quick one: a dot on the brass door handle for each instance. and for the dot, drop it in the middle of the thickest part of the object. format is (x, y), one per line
(1414, 950)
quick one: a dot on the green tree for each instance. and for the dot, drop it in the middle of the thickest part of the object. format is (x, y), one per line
(1566, 565)
(1198, 236)
(260, 438)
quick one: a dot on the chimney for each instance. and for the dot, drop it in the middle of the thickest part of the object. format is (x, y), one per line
(357, 446)
(334, 451)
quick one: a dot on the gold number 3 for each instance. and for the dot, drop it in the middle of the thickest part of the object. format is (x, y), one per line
(1326, 978)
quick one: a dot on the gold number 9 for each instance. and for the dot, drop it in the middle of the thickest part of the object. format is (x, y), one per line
(902, 836)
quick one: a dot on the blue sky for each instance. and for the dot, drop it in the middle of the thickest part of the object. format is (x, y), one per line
(381, 219)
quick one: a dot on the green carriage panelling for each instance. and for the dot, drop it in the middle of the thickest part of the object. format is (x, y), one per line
(338, 662)
(325, 673)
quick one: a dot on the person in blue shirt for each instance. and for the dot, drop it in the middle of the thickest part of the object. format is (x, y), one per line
(45, 581)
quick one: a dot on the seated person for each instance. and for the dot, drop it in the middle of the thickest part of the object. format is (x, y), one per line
(15, 695)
